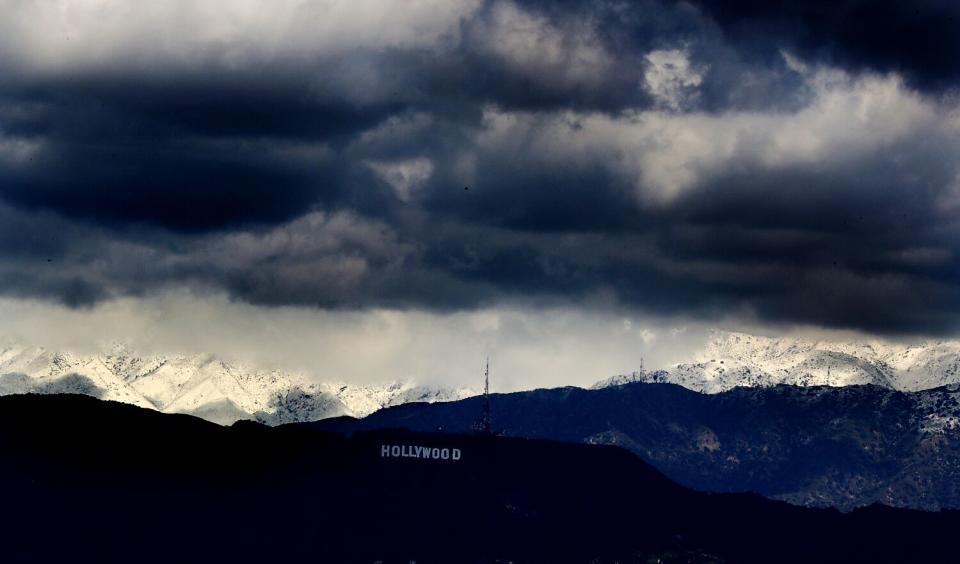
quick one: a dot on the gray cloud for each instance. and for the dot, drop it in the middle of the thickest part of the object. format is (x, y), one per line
(451, 156)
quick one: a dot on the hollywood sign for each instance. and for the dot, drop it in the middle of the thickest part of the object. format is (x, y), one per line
(425, 452)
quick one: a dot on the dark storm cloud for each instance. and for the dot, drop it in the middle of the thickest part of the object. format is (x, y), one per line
(700, 159)
(917, 39)
(187, 146)
(189, 156)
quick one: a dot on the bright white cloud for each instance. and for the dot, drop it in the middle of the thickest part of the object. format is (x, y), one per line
(57, 35)
(664, 154)
(534, 45)
(671, 79)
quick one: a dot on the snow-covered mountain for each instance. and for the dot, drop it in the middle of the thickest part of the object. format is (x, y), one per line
(737, 359)
(201, 385)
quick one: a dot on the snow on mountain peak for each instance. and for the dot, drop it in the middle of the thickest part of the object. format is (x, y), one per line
(203, 385)
(731, 359)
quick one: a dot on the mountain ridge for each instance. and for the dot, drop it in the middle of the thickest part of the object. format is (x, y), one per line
(224, 392)
(201, 384)
(822, 446)
(732, 359)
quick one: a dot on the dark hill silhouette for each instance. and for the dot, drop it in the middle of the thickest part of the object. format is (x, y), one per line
(820, 446)
(87, 480)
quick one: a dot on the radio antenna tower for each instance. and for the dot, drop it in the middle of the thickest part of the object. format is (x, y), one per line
(483, 426)
(486, 380)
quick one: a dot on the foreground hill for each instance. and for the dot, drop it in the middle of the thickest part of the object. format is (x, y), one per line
(816, 446)
(101, 481)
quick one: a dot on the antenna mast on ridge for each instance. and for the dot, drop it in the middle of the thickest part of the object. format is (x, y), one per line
(486, 380)
(483, 424)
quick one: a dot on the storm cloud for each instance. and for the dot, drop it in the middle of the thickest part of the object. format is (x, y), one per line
(781, 162)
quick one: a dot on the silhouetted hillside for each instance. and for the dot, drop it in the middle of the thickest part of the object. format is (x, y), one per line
(87, 480)
(817, 446)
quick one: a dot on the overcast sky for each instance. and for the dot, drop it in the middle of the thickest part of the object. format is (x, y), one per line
(375, 189)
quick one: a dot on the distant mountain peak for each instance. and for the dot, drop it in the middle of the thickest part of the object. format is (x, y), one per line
(203, 384)
(734, 359)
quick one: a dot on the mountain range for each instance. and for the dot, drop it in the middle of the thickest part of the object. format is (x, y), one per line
(817, 446)
(222, 391)
(731, 359)
(815, 423)
(203, 385)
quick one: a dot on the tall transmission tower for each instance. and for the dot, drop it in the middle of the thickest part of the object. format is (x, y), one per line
(483, 426)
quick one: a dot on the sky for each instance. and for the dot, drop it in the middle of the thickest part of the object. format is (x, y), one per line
(372, 189)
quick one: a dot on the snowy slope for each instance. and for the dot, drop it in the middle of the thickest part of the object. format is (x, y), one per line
(202, 385)
(738, 359)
